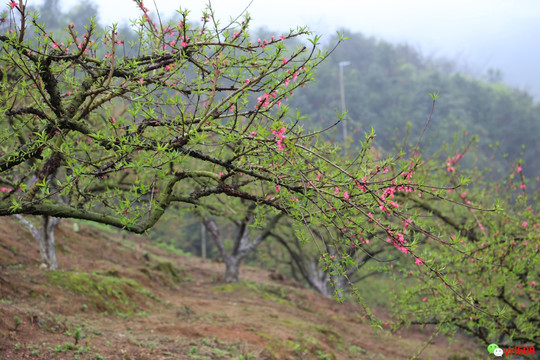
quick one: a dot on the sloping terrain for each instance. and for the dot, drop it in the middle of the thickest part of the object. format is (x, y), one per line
(117, 296)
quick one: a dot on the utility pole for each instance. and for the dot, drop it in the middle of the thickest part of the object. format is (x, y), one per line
(342, 88)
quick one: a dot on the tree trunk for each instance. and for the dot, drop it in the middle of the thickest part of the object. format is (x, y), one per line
(318, 279)
(49, 224)
(44, 237)
(232, 268)
(242, 244)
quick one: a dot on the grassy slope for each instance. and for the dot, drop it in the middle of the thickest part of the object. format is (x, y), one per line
(119, 297)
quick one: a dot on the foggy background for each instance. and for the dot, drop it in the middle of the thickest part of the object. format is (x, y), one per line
(479, 35)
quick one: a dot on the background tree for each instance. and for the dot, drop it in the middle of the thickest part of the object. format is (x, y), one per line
(44, 238)
(244, 236)
(304, 259)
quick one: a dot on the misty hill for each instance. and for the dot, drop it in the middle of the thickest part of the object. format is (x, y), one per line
(386, 86)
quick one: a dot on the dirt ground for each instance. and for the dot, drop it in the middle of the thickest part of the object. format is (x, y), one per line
(119, 297)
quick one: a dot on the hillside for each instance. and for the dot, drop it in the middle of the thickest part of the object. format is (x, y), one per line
(117, 296)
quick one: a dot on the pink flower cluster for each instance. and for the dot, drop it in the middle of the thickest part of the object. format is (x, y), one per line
(452, 161)
(279, 136)
(264, 100)
(398, 240)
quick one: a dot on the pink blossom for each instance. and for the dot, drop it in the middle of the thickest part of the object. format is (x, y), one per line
(183, 44)
(533, 283)
(279, 135)
(220, 174)
(4, 189)
(285, 60)
(346, 195)
(524, 224)
(12, 5)
(264, 100)
(336, 191)
(424, 299)
(418, 261)
(278, 188)
(253, 133)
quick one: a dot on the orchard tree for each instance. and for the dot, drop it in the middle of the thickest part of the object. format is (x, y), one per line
(124, 135)
(491, 259)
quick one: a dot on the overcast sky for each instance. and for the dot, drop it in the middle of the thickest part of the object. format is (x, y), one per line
(501, 34)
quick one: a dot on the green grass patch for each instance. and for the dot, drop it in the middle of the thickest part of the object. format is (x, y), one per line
(105, 293)
(171, 249)
(229, 287)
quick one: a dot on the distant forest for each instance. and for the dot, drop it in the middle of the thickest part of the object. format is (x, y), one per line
(387, 85)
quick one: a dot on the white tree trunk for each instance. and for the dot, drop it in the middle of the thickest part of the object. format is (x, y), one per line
(318, 279)
(49, 225)
(44, 237)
